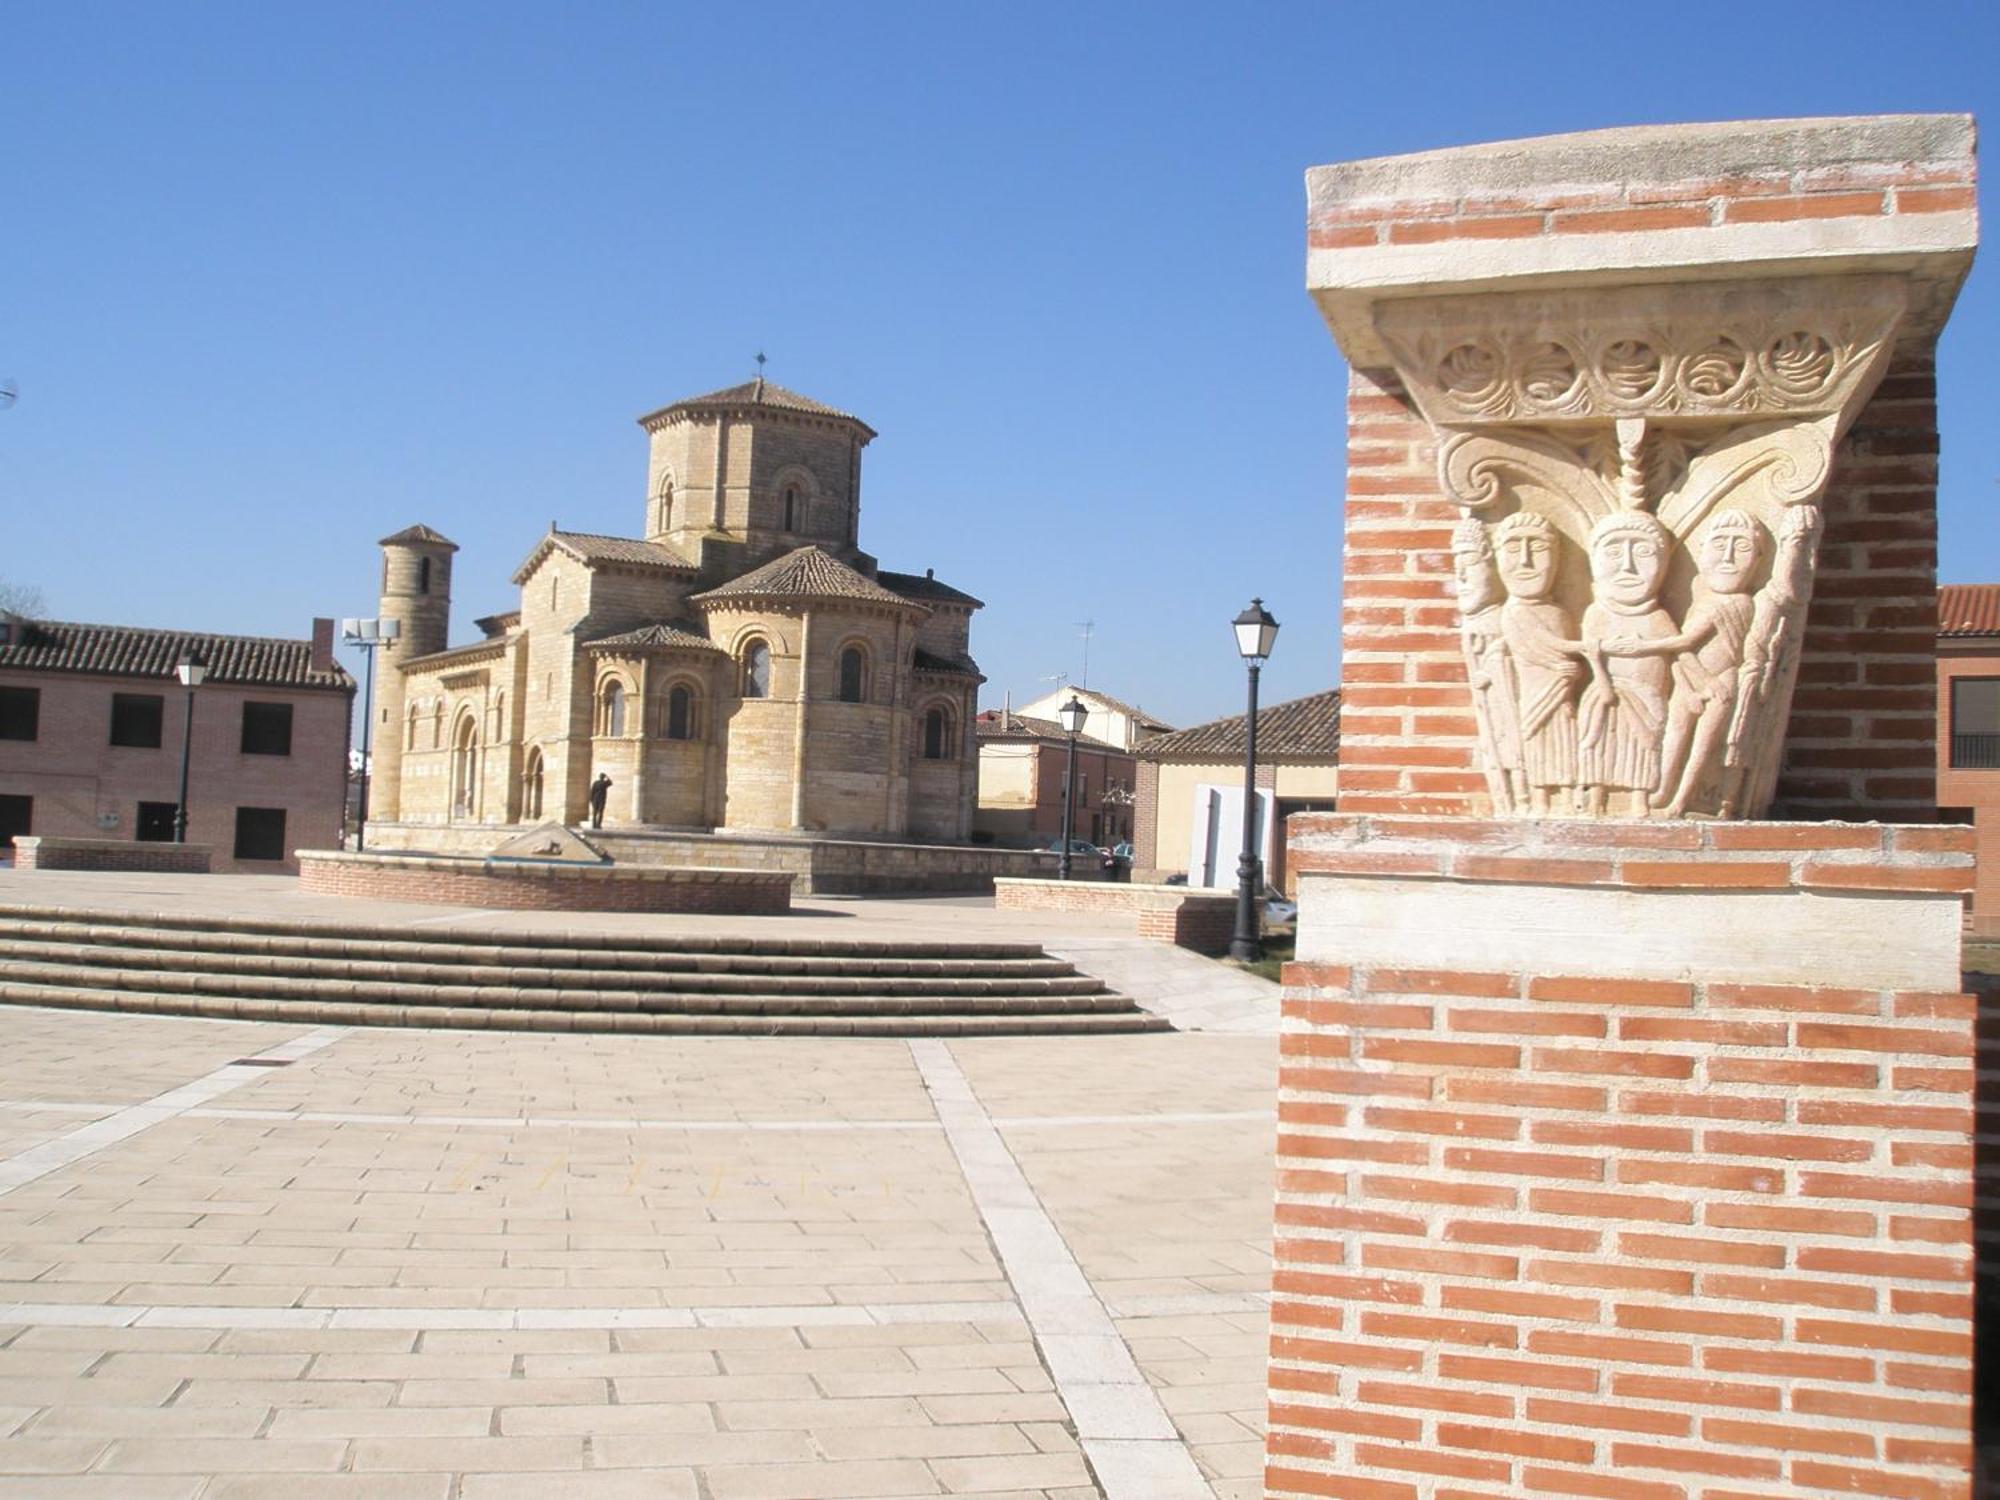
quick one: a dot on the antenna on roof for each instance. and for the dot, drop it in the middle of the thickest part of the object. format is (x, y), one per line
(1087, 627)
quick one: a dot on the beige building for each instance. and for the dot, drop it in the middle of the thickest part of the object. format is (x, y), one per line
(1107, 718)
(1022, 765)
(742, 665)
(1190, 798)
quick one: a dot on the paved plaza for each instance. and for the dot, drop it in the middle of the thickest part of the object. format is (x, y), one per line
(248, 1259)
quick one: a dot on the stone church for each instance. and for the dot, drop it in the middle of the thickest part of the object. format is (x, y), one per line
(743, 665)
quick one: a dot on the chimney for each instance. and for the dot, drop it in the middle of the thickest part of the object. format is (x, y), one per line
(322, 648)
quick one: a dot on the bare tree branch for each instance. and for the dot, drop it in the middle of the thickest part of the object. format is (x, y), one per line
(21, 599)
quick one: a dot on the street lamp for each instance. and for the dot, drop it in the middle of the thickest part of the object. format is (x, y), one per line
(1072, 714)
(191, 670)
(1256, 631)
(367, 636)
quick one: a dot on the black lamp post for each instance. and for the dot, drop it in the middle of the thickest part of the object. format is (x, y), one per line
(1255, 633)
(1072, 714)
(367, 636)
(191, 670)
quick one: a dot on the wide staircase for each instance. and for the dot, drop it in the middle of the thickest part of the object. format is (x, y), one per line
(248, 969)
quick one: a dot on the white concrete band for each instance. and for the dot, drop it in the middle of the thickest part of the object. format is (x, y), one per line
(73, 1146)
(1125, 1432)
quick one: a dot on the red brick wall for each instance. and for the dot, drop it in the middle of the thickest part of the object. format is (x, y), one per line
(471, 882)
(1861, 743)
(35, 852)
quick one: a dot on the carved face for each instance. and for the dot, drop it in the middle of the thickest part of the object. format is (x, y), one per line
(1728, 560)
(1478, 589)
(1628, 567)
(1528, 563)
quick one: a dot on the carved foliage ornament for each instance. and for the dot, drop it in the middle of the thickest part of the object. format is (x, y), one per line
(1641, 471)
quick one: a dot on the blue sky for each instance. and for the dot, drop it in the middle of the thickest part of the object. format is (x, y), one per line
(282, 279)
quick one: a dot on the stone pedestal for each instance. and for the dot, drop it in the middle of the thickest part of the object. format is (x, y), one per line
(1628, 1160)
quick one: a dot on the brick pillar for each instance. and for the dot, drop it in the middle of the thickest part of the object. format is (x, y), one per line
(1623, 1155)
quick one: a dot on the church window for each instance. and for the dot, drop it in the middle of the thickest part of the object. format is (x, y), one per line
(611, 717)
(423, 575)
(791, 508)
(555, 593)
(937, 735)
(437, 725)
(465, 768)
(853, 674)
(680, 713)
(410, 740)
(531, 786)
(757, 670)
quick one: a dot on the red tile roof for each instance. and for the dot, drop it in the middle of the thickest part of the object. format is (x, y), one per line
(133, 651)
(1969, 609)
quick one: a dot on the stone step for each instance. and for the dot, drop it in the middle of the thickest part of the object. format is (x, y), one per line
(332, 1013)
(567, 947)
(433, 991)
(965, 979)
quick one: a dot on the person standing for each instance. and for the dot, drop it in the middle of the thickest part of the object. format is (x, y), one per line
(600, 790)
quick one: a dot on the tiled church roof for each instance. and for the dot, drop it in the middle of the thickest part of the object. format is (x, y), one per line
(938, 661)
(1303, 729)
(759, 392)
(589, 547)
(808, 573)
(655, 637)
(1969, 609)
(925, 589)
(419, 533)
(132, 651)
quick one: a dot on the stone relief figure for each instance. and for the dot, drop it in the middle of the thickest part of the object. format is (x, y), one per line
(1771, 646)
(1707, 657)
(1487, 666)
(1548, 661)
(1624, 710)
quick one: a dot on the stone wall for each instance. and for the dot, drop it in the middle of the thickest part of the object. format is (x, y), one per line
(126, 855)
(551, 886)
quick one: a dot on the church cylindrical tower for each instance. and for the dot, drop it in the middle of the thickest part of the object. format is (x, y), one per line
(416, 594)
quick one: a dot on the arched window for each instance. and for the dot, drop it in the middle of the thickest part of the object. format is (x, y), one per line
(666, 504)
(437, 725)
(680, 713)
(423, 575)
(531, 786)
(611, 710)
(410, 743)
(757, 670)
(791, 508)
(500, 717)
(937, 735)
(465, 768)
(853, 674)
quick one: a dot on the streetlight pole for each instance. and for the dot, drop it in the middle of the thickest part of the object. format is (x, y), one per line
(1256, 631)
(367, 636)
(191, 670)
(1072, 714)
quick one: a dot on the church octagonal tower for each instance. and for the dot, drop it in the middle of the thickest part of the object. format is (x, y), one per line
(743, 475)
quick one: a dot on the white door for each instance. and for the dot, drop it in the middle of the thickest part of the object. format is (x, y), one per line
(1215, 834)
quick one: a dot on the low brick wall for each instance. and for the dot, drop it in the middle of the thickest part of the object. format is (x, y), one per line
(818, 866)
(34, 852)
(527, 885)
(1202, 920)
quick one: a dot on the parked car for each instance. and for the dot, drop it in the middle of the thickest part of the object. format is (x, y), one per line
(1078, 848)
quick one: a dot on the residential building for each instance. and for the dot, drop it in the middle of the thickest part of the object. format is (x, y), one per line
(1107, 718)
(1022, 761)
(1968, 739)
(742, 665)
(92, 722)
(1190, 790)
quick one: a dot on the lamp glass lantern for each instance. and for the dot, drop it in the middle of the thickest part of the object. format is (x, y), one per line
(1073, 714)
(1256, 632)
(191, 669)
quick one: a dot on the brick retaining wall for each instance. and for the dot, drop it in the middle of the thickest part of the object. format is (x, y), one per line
(35, 852)
(1201, 920)
(529, 886)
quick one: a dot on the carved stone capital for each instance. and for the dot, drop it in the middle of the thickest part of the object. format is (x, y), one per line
(1641, 468)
